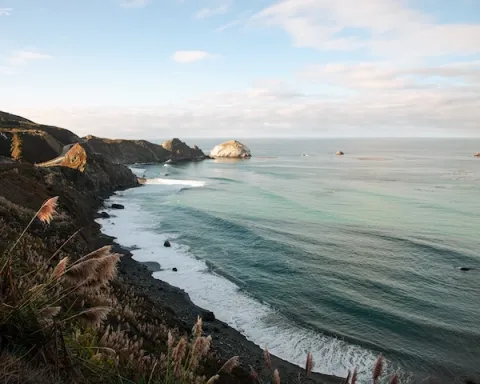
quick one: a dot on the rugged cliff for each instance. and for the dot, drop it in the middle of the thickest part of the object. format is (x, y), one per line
(24, 141)
(142, 151)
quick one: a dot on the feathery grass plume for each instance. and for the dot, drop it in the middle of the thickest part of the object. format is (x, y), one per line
(377, 368)
(393, 379)
(47, 210)
(93, 316)
(276, 377)
(45, 214)
(107, 268)
(230, 364)
(170, 340)
(253, 375)
(80, 273)
(97, 254)
(213, 379)
(206, 345)
(347, 379)
(60, 268)
(309, 364)
(197, 328)
(49, 312)
(354, 377)
(178, 354)
(266, 356)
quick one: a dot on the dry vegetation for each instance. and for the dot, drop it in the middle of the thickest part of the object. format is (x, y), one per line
(16, 147)
(61, 319)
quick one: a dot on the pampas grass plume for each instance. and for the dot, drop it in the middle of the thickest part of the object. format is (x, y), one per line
(213, 379)
(354, 376)
(276, 377)
(45, 213)
(377, 368)
(60, 268)
(309, 364)
(230, 364)
(266, 356)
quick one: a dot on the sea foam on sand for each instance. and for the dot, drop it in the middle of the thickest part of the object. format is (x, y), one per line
(259, 322)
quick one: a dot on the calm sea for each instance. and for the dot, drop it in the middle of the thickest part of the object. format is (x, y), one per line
(346, 257)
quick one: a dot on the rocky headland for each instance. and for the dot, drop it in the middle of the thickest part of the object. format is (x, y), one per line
(38, 162)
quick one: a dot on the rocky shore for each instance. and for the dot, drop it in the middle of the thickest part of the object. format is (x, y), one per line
(83, 179)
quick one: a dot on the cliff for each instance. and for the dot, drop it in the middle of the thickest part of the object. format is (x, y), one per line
(24, 141)
(142, 151)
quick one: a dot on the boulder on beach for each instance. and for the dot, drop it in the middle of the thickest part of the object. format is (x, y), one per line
(339, 153)
(174, 269)
(167, 244)
(152, 266)
(231, 149)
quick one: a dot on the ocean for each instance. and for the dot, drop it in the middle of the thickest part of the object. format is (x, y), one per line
(344, 256)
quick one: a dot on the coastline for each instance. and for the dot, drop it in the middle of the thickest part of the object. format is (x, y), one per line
(182, 313)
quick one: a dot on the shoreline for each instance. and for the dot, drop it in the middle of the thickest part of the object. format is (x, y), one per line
(226, 341)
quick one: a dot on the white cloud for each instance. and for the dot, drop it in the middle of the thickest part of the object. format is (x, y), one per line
(270, 108)
(186, 57)
(385, 28)
(378, 76)
(6, 11)
(209, 12)
(4, 70)
(134, 3)
(23, 57)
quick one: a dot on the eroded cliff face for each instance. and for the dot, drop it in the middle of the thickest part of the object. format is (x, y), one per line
(62, 154)
(142, 151)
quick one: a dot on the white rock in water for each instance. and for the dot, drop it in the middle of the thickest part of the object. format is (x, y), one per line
(230, 149)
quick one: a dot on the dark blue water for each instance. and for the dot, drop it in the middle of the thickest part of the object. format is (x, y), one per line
(352, 255)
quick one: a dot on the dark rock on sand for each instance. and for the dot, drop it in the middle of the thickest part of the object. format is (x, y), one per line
(174, 269)
(167, 244)
(117, 206)
(208, 316)
(152, 266)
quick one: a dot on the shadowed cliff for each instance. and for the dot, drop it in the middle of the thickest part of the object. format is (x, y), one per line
(142, 151)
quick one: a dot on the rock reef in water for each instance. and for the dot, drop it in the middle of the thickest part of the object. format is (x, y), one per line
(231, 149)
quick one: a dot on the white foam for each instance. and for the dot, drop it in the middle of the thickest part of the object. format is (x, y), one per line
(138, 171)
(259, 323)
(191, 183)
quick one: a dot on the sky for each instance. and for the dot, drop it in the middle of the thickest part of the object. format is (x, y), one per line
(244, 68)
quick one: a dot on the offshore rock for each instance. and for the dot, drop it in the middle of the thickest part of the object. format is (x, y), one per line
(231, 149)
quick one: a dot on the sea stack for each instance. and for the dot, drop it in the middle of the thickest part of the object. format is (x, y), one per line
(231, 149)
(339, 153)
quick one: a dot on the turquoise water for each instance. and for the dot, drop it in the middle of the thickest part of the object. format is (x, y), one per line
(364, 248)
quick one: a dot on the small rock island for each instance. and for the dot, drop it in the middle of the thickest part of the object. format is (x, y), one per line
(231, 149)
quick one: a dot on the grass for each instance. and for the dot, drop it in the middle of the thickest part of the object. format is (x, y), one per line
(16, 147)
(68, 317)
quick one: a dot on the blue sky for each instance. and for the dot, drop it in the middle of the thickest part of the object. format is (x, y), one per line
(139, 68)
